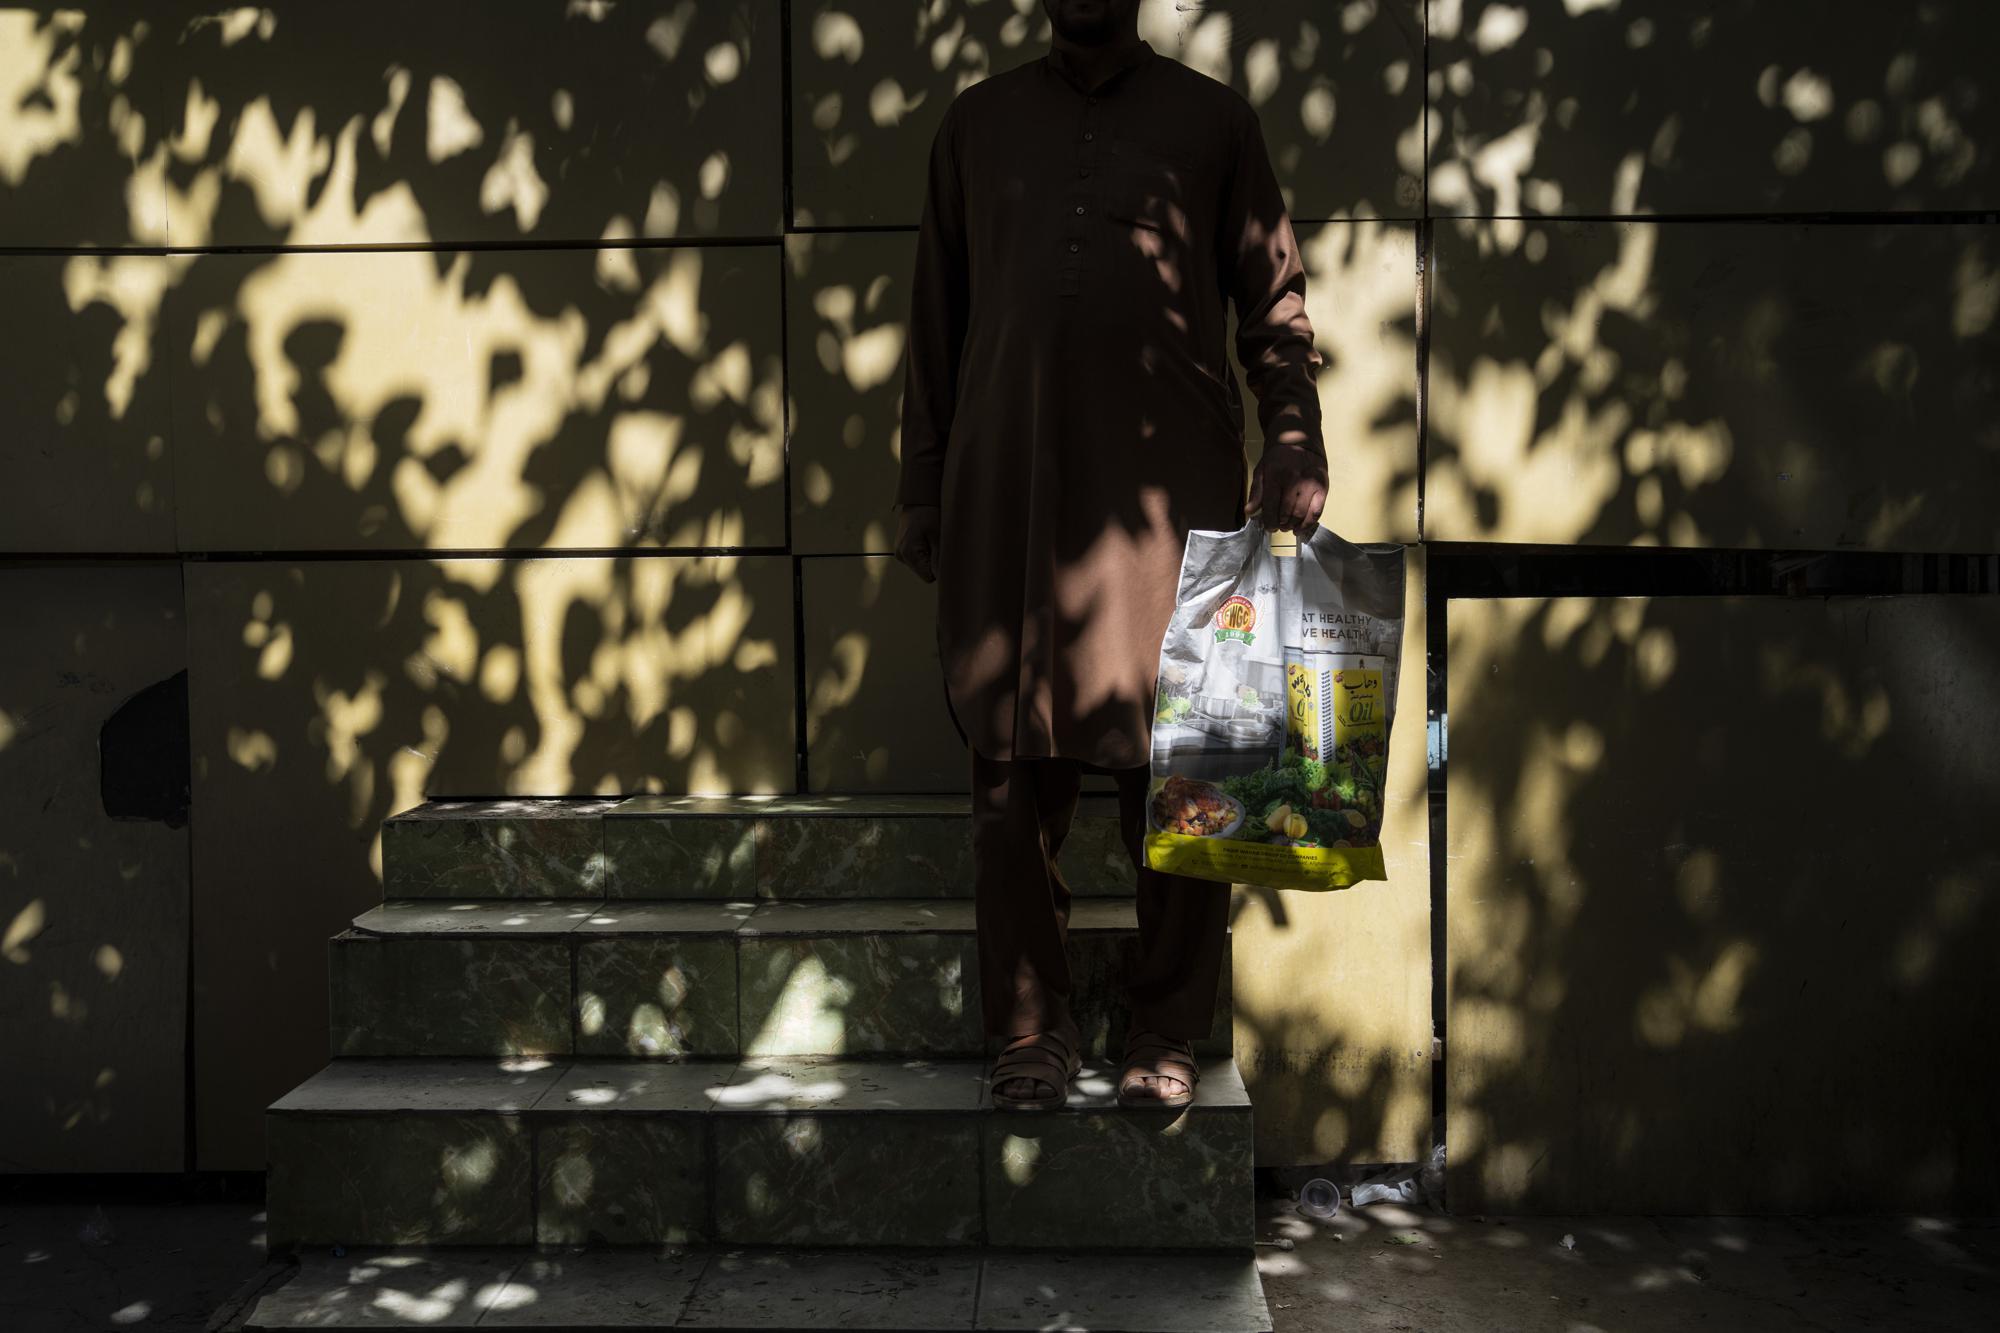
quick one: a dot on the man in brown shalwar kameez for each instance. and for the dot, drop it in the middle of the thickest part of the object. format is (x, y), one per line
(1068, 415)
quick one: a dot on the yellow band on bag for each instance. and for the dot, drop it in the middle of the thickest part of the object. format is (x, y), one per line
(1279, 867)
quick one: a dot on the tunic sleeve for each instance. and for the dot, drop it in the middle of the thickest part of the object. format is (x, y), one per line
(940, 298)
(1267, 282)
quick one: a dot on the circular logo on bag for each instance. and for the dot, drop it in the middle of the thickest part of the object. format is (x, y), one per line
(1235, 620)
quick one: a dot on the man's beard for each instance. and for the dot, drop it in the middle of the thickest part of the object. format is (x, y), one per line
(1095, 29)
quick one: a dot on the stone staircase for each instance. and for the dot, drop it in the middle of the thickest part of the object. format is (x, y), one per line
(743, 1022)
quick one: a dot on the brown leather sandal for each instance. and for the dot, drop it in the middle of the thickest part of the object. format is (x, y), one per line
(1150, 1055)
(1049, 1059)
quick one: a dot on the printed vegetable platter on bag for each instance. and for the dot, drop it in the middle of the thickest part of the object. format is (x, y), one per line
(1271, 730)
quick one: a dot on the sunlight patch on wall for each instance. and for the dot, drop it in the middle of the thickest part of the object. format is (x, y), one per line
(889, 102)
(512, 181)
(837, 36)
(39, 93)
(1697, 997)
(836, 686)
(1262, 71)
(237, 24)
(133, 286)
(450, 128)
(1500, 26)
(1849, 724)
(29, 922)
(251, 749)
(1200, 39)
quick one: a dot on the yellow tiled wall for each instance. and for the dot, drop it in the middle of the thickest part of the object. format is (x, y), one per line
(1766, 385)
(374, 122)
(847, 297)
(540, 400)
(876, 714)
(1707, 107)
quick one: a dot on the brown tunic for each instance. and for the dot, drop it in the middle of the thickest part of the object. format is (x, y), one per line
(1067, 398)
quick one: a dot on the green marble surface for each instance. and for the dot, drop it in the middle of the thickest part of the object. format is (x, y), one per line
(496, 849)
(635, 1087)
(662, 995)
(818, 1083)
(417, 995)
(913, 994)
(687, 856)
(1094, 861)
(428, 1289)
(1154, 1179)
(713, 1287)
(638, 916)
(819, 1179)
(824, 916)
(383, 1086)
(804, 1152)
(715, 847)
(621, 1179)
(1102, 914)
(774, 807)
(430, 916)
(864, 857)
(830, 847)
(678, 978)
(793, 1289)
(627, 1288)
(1180, 1293)
(394, 1180)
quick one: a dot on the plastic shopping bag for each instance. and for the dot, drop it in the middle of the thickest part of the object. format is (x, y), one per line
(1271, 729)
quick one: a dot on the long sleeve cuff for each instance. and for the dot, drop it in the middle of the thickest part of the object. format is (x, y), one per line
(923, 477)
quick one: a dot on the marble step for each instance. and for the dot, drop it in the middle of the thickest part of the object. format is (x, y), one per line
(674, 979)
(776, 1151)
(717, 847)
(778, 1287)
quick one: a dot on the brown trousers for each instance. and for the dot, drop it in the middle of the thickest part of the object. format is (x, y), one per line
(1021, 812)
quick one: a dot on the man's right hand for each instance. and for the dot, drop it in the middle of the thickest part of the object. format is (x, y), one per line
(917, 540)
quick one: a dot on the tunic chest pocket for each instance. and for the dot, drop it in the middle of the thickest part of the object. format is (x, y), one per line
(1151, 189)
(1156, 214)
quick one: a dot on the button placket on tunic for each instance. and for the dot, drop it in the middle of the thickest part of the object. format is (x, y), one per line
(1069, 269)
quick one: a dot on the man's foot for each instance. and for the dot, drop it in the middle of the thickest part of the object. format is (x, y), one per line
(1033, 1072)
(1159, 1071)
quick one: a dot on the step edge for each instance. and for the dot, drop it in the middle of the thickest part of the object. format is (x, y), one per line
(943, 805)
(1224, 1068)
(1123, 907)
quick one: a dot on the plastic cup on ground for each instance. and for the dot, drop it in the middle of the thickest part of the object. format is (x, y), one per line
(1319, 1199)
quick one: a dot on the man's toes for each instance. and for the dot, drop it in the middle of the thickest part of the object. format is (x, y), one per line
(1159, 1086)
